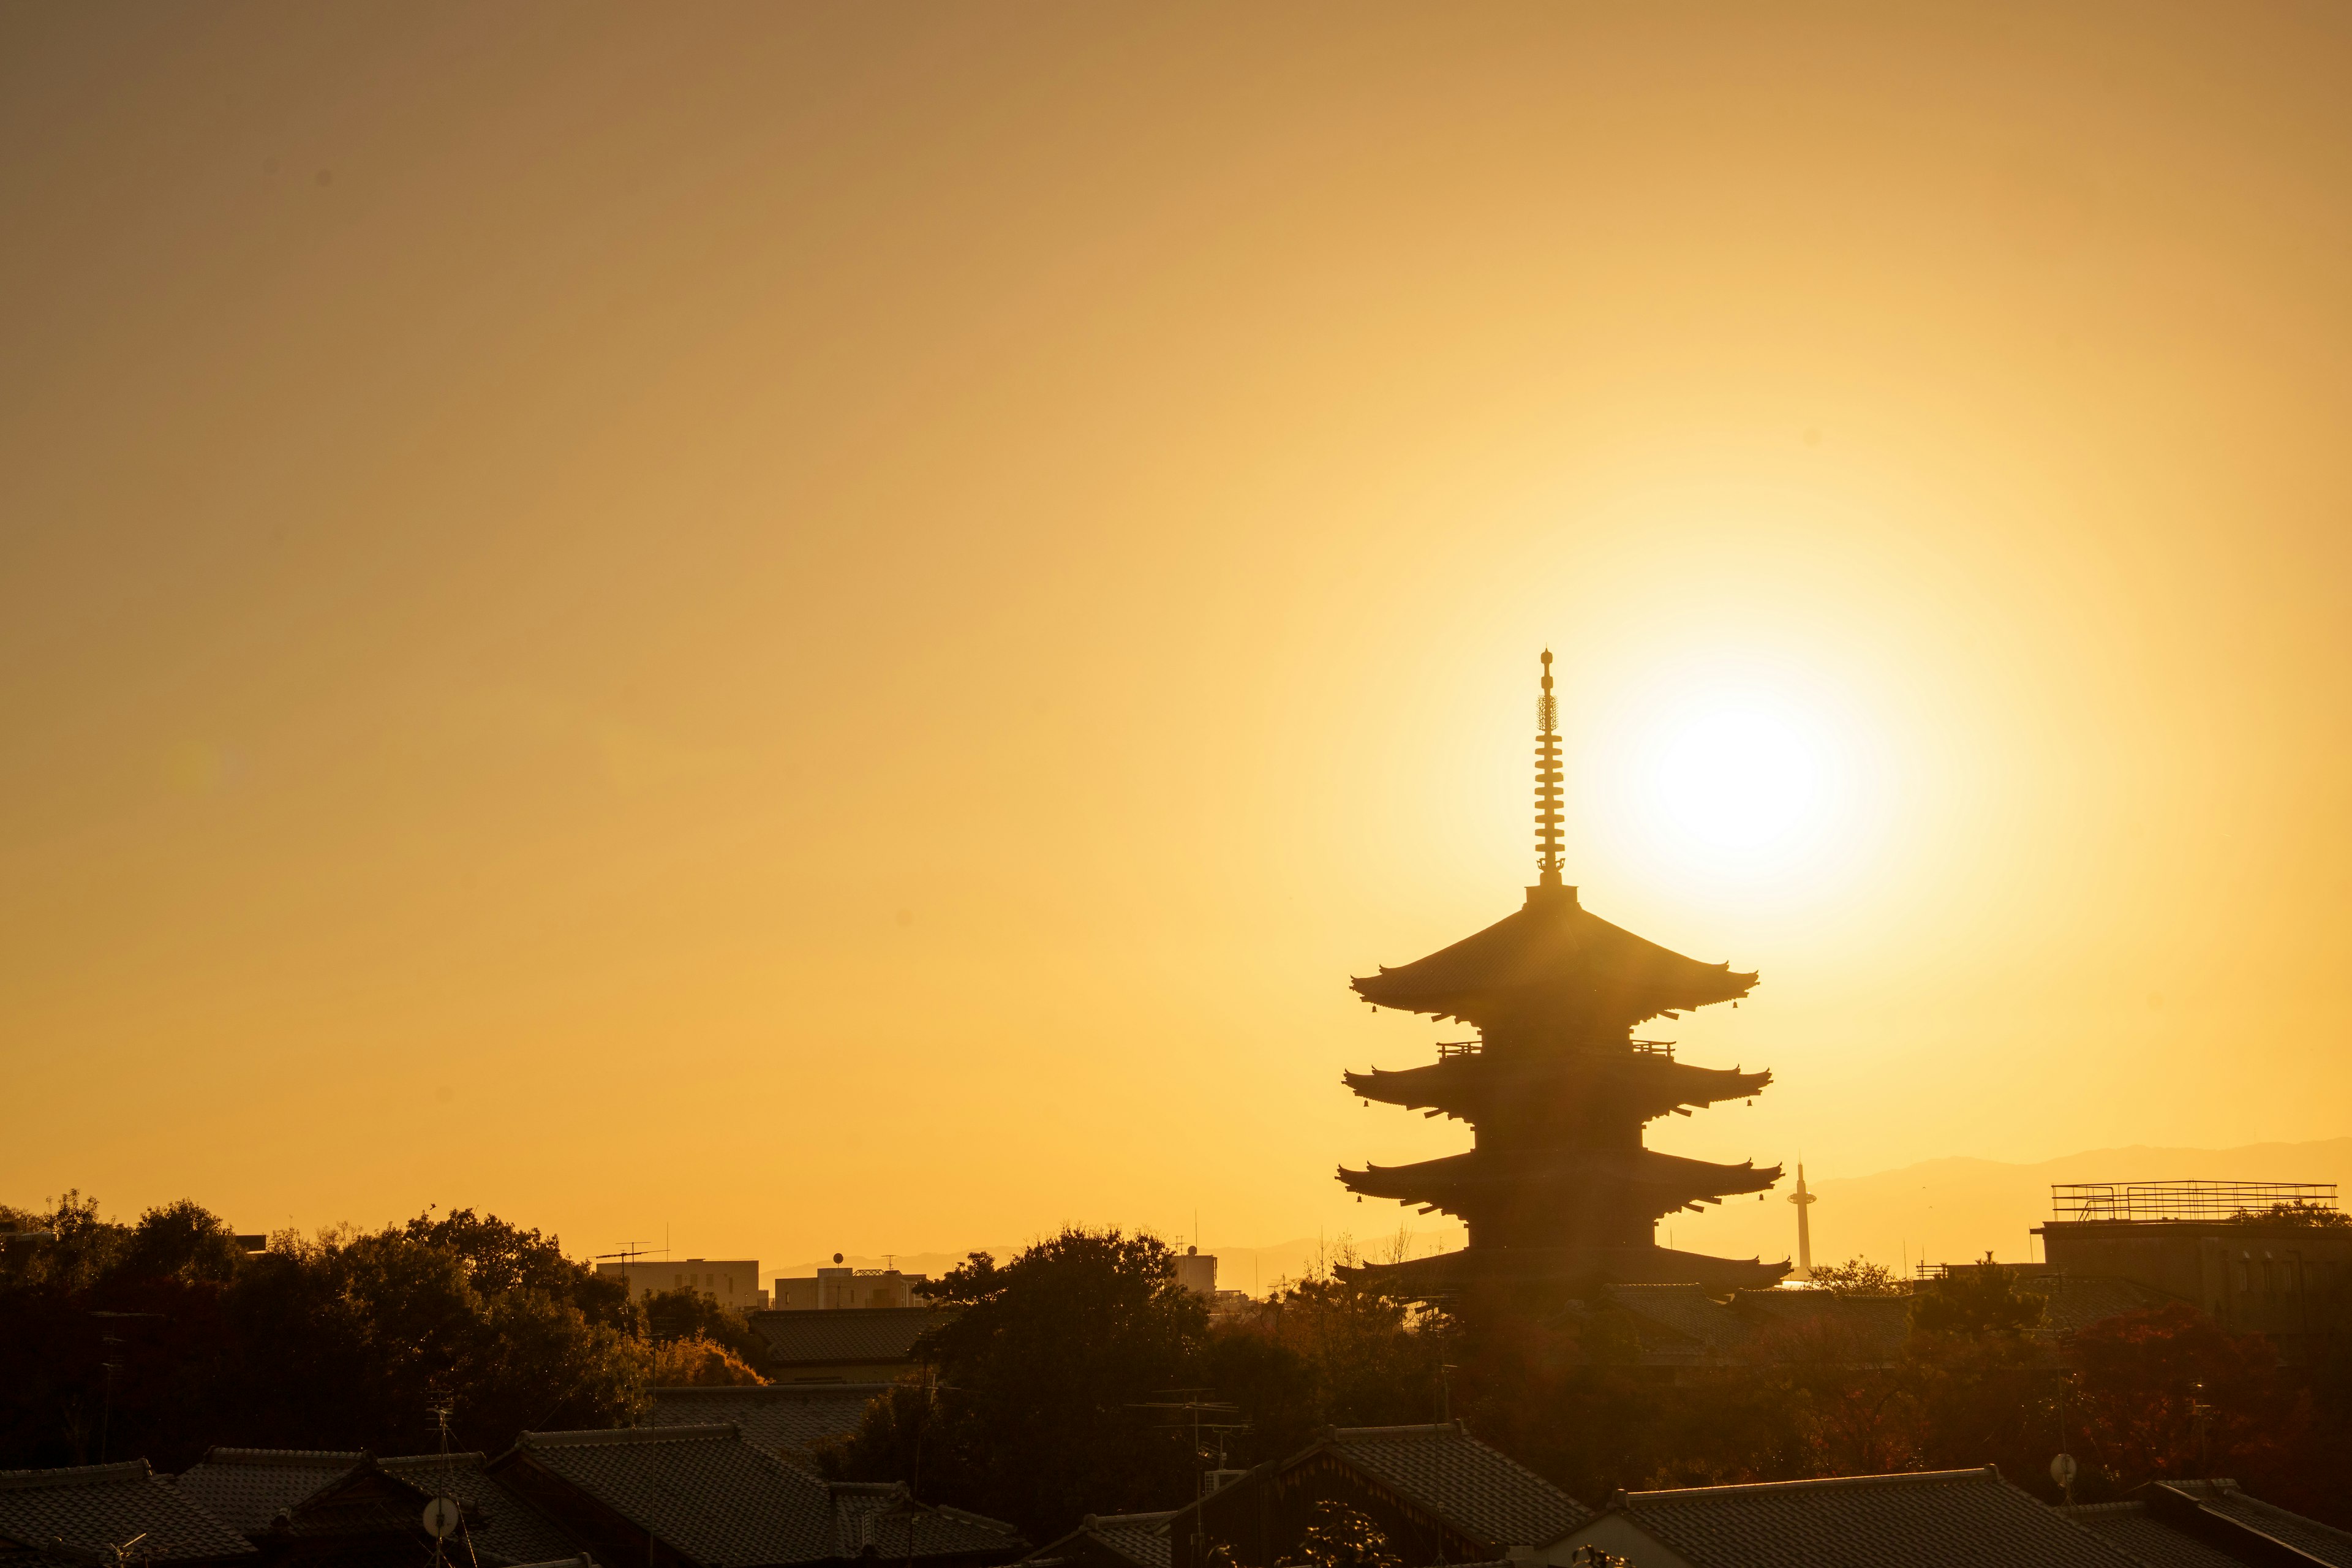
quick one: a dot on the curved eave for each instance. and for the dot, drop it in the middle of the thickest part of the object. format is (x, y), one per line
(1443, 1087)
(1671, 1180)
(1553, 955)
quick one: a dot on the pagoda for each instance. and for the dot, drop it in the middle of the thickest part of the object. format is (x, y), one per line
(1556, 1189)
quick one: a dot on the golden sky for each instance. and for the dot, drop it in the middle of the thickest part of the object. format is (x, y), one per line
(834, 626)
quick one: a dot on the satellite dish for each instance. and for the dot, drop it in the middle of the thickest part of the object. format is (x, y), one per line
(441, 1518)
(2062, 1470)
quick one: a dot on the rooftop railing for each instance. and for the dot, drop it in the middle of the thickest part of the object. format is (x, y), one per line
(2205, 1201)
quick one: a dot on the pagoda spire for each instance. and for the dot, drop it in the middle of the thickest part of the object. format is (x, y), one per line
(1548, 855)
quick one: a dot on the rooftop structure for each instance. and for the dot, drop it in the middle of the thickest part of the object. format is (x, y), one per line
(831, 1289)
(82, 1514)
(2087, 1202)
(1556, 1187)
(2210, 1524)
(1935, 1519)
(324, 1498)
(2267, 1258)
(851, 1344)
(703, 1497)
(789, 1420)
(1438, 1494)
(1108, 1541)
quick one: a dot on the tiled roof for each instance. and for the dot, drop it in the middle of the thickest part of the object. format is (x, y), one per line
(849, 1334)
(2306, 1535)
(1462, 1481)
(1937, 1518)
(506, 1526)
(249, 1488)
(2130, 1527)
(702, 1489)
(95, 1506)
(1138, 1538)
(784, 1418)
(1141, 1538)
(2204, 1524)
(1685, 1312)
(722, 1502)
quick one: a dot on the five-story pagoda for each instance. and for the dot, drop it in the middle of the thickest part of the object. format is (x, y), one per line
(1557, 1188)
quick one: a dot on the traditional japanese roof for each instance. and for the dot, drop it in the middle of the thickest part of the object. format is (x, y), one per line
(1450, 1274)
(96, 1508)
(719, 1501)
(1471, 1085)
(1555, 962)
(249, 1488)
(1479, 1490)
(1450, 1181)
(2210, 1524)
(1140, 1538)
(847, 1335)
(1935, 1519)
(787, 1419)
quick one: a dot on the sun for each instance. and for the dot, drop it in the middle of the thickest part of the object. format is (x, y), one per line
(1740, 775)
(1740, 780)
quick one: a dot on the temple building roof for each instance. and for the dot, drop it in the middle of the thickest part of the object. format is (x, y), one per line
(1469, 1084)
(1553, 961)
(1450, 1180)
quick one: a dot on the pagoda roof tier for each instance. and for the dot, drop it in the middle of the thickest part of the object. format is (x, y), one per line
(1666, 1181)
(1555, 963)
(1451, 1274)
(1467, 1086)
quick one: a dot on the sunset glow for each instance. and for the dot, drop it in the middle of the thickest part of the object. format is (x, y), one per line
(806, 628)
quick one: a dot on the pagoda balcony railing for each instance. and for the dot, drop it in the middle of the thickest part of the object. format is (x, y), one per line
(2208, 1201)
(1655, 1048)
(1459, 1048)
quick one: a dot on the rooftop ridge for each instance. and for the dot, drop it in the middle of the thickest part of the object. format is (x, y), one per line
(1698, 1494)
(472, 1459)
(721, 1431)
(1128, 1520)
(784, 1390)
(320, 1457)
(76, 1475)
(1417, 1429)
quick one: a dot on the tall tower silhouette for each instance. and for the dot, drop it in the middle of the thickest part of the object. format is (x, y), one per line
(1556, 1187)
(1804, 1201)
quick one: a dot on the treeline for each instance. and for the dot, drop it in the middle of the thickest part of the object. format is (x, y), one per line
(161, 1337)
(1060, 1390)
(1079, 1378)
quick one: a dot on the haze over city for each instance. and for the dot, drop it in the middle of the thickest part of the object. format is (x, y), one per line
(781, 630)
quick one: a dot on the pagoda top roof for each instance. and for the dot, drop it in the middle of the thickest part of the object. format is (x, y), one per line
(1553, 961)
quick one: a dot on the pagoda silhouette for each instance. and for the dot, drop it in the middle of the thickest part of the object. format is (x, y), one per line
(1556, 1189)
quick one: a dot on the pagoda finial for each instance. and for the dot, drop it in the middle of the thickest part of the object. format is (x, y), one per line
(1547, 780)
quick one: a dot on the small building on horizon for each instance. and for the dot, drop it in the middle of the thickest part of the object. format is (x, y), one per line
(729, 1281)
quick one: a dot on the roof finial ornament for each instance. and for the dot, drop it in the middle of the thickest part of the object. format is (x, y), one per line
(1549, 858)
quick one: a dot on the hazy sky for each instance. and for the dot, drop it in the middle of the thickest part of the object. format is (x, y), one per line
(834, 626)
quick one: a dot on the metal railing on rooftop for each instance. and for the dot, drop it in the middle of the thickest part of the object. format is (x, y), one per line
(2208, 1201)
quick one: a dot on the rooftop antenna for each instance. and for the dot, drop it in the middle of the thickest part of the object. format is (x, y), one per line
(1549, 858)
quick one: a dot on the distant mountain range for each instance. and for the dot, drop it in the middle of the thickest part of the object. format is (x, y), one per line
(1939, 1211)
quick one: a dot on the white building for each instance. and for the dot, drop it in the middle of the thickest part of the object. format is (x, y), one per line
(833, 1288)
(731, 1282)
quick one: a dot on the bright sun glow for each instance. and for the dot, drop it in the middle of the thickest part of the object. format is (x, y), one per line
(1737, 779)
(1734, 772)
